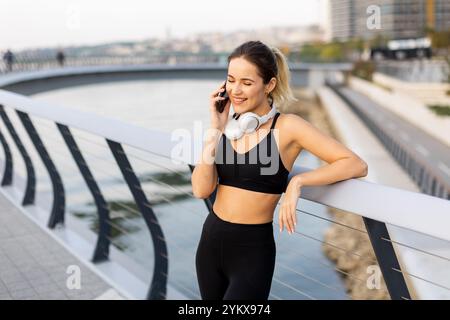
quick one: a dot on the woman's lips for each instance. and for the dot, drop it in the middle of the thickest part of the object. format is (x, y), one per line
(238, 101)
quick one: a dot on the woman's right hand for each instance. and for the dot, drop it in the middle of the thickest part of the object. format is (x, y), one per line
(218, 120)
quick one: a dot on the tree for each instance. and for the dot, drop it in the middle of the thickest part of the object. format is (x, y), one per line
(379, 41)
(332, 52)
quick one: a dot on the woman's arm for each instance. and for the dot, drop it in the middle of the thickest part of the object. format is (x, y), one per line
(342, 164)
(204, 176)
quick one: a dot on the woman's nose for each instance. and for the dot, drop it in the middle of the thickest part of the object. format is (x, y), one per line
(236, 89)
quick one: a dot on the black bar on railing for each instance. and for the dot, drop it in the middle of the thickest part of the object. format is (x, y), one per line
(7, 173)
(384, 251)
(158, 287)
(101, 252)
(30, 189)
(58, 204)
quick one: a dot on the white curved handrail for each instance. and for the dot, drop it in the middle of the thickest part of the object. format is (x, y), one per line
(406, 209)
(14, 78)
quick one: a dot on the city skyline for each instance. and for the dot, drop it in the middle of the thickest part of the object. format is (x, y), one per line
(74, 23)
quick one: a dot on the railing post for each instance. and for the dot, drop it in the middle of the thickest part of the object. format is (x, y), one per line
(30, 189)
(158, 287)
(101, 252)
(58, 205)
(384, 251)
(7, 174)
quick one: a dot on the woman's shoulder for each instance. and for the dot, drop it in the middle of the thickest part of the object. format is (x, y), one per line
(291, 126)
(290, 121)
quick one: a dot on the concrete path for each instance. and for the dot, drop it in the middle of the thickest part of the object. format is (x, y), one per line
(34, 266)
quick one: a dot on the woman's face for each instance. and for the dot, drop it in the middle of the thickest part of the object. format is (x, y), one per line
(244, 82)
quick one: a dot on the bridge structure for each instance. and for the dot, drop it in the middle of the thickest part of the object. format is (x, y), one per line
(378, 205)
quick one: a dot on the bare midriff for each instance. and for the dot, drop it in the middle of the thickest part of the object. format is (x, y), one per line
(238, 205)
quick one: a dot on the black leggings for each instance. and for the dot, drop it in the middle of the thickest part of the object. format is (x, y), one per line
(235, 261)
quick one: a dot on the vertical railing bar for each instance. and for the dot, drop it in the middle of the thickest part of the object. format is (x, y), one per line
(58, 205)
(30, 188)
(158, 287)
(101, 251)
(384, 251)
(7, 173)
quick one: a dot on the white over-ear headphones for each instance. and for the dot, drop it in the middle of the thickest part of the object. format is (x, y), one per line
(248, 122)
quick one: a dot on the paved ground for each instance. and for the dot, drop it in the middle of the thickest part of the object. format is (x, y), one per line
(33, 265)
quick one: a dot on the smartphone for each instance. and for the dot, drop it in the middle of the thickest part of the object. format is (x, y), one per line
(220, 105)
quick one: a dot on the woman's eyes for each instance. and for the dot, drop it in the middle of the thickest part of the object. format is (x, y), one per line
(247, 84)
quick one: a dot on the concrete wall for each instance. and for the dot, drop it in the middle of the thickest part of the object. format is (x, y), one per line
(407, 107)
(427, 93)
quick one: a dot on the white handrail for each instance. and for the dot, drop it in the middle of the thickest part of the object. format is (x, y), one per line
(16, 77)
(415, 211)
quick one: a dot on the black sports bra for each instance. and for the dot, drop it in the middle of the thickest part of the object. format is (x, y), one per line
(259, 169)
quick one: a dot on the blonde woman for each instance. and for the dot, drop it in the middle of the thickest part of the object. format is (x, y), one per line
(248, 157)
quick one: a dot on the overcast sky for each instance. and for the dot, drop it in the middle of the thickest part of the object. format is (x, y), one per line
(42, 23)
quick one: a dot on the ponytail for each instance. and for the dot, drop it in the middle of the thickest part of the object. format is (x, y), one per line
(282, 95)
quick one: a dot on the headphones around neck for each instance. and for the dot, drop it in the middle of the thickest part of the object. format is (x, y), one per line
(239, 124)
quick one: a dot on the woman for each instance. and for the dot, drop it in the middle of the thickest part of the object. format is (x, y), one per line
(235, 257)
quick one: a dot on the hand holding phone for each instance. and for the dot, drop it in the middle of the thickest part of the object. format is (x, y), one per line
(220, 104)
(219, 107)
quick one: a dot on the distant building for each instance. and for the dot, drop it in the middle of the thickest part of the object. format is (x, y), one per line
(342, 19)
(399, 18)
(439, 16)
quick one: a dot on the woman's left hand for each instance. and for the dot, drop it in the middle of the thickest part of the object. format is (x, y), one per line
(287, 215)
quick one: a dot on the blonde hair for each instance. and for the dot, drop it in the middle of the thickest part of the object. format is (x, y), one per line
(282, 94)
(270, 62)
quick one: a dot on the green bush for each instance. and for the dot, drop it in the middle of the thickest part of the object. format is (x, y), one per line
(440, 110)
(363, 69)
(332, 52)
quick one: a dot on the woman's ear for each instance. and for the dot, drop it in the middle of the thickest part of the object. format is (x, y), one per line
(271, 85)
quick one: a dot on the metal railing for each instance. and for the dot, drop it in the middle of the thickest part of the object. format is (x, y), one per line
(44, 62)
(40, 62)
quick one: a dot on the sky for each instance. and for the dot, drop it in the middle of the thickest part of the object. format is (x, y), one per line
(49, 23)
